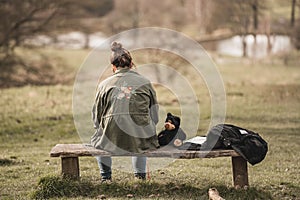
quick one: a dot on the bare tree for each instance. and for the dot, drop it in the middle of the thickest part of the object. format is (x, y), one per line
(20, 19)
(242, 19)
(84, 16)
(142, 13)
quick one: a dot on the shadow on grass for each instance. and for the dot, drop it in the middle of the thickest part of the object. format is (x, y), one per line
(41, 71)
(6, 162)
(54, 187)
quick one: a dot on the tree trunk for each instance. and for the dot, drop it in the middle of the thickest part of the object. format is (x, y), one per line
(255, 25)
(293, 13)
(267, 25)
(255, 14)
(87, 40)
(244, 42)
(269, 46)
(136, 15)
(244, 35)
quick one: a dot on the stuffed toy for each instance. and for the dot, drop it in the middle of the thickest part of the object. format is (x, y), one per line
(172, 134)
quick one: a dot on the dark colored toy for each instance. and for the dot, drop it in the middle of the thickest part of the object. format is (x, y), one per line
(173, 134)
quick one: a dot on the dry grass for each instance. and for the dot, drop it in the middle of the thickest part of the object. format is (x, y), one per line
(261, 97)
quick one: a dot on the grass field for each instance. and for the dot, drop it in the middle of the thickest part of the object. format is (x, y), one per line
(261, 97)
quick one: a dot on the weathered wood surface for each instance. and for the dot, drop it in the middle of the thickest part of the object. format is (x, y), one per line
(240, 172)
(77, 150)
(70, 167)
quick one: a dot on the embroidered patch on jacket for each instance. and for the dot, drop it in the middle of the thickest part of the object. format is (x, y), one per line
(124, 91)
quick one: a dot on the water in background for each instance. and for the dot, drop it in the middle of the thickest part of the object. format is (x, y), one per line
(233, 46)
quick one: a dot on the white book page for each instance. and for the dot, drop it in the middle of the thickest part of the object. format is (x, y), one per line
(196, 140)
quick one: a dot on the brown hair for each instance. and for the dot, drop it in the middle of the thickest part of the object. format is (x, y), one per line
(120, 57)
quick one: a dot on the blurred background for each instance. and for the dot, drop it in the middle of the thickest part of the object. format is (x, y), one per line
(254, 43)
(33, 32)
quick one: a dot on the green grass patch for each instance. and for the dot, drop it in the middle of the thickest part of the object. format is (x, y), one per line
(261, 97)
(52, 186)
(56, 187)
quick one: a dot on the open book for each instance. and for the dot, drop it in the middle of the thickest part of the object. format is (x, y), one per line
(196, 140)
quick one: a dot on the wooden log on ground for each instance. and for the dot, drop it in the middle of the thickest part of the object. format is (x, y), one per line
(213, 194)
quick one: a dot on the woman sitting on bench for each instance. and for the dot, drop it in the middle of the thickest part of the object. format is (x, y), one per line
(125, 114)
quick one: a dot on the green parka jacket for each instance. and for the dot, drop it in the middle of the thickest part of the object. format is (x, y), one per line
(125, 114)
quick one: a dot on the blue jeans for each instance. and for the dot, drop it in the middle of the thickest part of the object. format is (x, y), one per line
(138, 164)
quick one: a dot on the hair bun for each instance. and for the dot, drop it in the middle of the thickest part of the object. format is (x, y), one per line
(115, 46)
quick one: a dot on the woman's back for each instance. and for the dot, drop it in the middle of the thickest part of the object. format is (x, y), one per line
(128, 112)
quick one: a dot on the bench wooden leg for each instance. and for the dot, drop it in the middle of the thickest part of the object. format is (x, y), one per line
(240, 172)
(70, 167)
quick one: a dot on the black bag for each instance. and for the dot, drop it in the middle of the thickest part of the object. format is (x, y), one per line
(190, 146)
(248, 144)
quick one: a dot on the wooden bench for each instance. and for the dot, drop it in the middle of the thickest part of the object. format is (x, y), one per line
(69, 154)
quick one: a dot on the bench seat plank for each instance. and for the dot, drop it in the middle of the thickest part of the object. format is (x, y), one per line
(78, 150)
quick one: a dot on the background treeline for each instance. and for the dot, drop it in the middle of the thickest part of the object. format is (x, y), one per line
(21, 63)
(21, 19)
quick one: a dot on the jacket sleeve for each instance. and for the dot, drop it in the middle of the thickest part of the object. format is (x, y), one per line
(96, 111)
(153, 105)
